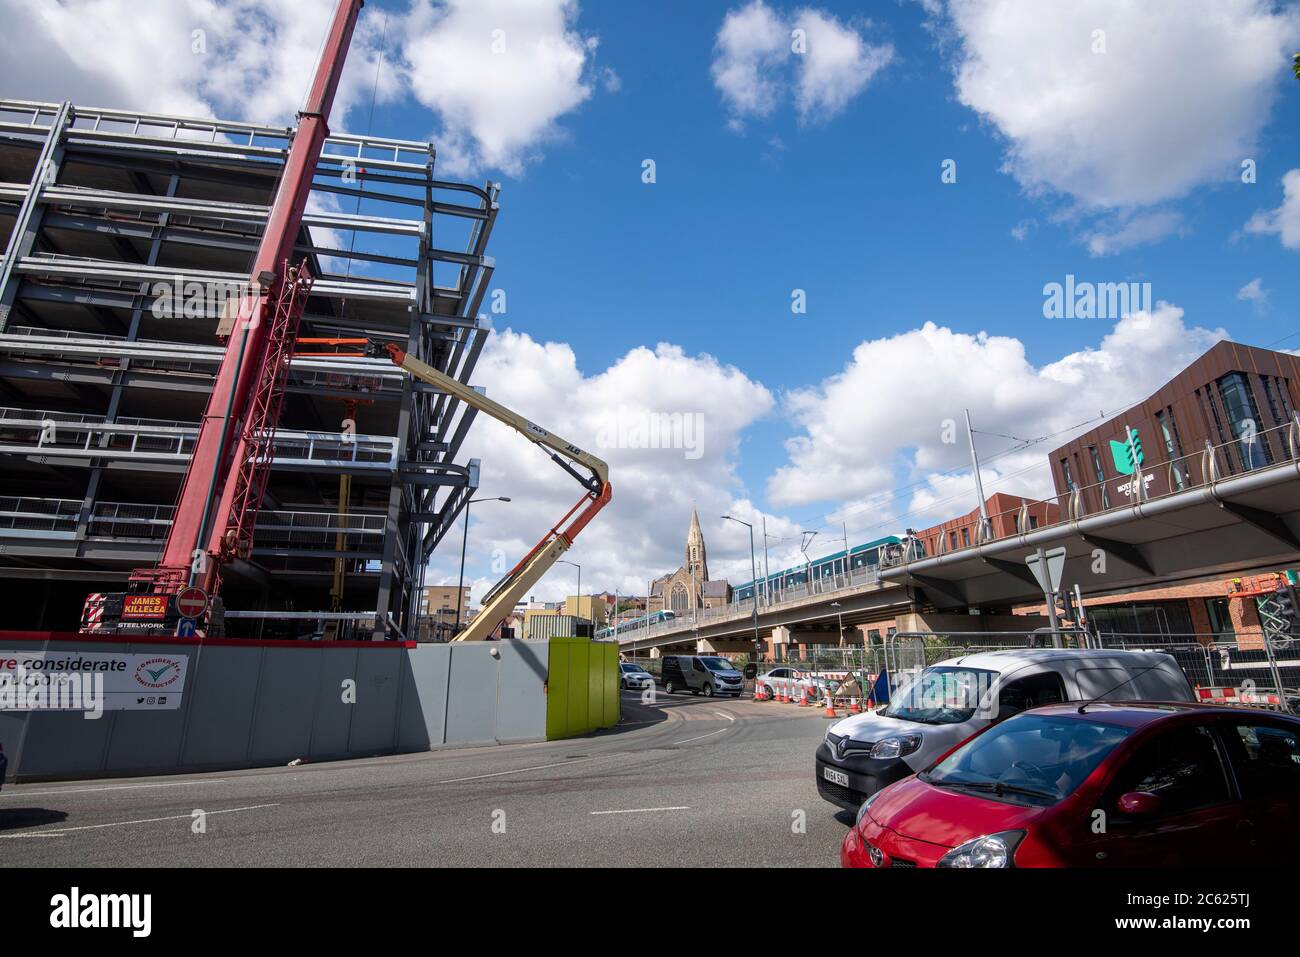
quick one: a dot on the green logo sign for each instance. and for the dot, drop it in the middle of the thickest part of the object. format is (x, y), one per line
(1123, 455)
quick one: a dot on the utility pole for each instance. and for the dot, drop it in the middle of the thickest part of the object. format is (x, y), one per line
(753, 570)
(985, 528)
(847, 556)
(767, 571)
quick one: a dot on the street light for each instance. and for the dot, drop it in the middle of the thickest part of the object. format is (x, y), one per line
(753, 571)
(565, 561)
(460, 589)
(836, 606)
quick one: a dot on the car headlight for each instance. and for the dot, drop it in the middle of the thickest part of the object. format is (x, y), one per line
(991, 850)
(862, 811)
(896, 747)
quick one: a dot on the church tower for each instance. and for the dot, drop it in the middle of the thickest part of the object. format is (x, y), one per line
(696, 561)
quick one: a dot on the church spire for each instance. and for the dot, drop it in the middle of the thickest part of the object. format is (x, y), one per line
(696, 559)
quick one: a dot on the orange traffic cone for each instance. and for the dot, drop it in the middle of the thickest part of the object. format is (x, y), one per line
(803, 696)
(830, 706)
(780, 694)
(853, 706)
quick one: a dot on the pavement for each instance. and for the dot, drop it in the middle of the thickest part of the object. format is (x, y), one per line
(682, 781)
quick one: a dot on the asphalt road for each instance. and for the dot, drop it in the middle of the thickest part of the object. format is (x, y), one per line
(685, 781)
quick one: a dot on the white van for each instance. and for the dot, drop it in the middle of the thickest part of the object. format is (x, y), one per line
(948, 702)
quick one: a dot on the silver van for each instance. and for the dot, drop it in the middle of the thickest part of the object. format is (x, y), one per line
(700, 674)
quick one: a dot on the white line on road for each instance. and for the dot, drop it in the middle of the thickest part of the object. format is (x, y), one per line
(699, 736)
(117, 787)
(723, 714)
(497, 774)
(151, 820)
(644, 810)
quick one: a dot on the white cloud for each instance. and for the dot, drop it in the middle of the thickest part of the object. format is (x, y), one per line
(499, 74)
(762, 57)
(1255, 293)
(1252, 291)
(1176, 101)
(643, 531)
(244, 59)
(1134, 230)
(254, 60)
(880, 423)
(1284, 221)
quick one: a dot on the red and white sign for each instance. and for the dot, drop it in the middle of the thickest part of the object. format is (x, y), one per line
(192, 602)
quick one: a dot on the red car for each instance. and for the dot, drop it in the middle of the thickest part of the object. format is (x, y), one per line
(1109, 784)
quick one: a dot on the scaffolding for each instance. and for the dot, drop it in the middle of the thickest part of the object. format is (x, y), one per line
(124, 235)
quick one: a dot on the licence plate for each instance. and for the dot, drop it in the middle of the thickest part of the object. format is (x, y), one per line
(835, 777)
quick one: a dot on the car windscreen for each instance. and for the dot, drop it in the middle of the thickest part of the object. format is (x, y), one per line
(944, 694)
(628, 668)
(1029, 758)
(718, 664)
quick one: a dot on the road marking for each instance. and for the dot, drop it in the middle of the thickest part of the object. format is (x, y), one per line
(118, 787)
(497, 774)
(723, 714)
(699, 736)
(57, 831)
(644, 810)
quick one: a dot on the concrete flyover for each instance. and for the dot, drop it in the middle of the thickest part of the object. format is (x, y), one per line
(1235, 525)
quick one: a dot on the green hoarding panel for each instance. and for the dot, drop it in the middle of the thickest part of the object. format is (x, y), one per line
(582, 689)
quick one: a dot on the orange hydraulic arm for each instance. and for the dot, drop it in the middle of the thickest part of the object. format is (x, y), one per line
(500, 601)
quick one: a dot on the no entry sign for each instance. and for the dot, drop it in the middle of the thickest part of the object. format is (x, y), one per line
(192, 602)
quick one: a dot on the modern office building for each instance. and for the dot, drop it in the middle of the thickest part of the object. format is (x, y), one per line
(1237, 401)
(125, 236)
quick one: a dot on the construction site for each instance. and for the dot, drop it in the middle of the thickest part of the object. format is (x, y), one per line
(136, 247)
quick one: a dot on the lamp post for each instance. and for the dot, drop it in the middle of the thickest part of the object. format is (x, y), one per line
(753, 571)
(460, 588)
(840, 616)
(565, 561)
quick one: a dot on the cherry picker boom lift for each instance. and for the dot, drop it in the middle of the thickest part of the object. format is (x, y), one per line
(501, 599)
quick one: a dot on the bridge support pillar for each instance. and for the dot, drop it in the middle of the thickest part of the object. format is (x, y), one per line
(716, 646)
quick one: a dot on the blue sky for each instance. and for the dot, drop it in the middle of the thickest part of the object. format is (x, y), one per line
(1115, 164)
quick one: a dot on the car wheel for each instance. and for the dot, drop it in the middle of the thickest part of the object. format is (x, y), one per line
(708, 691)
(668, 687)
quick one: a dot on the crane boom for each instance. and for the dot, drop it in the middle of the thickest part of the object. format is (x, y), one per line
(501, 599)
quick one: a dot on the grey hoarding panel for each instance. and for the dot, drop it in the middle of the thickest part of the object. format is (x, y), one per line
(521, 701)
(222, 689)
(62, 742)
(148, 740)
(422, 722)
(329, 737)
(374, 719)
(472, 696)
(286, 699)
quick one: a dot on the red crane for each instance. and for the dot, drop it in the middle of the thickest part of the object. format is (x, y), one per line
(226, 478)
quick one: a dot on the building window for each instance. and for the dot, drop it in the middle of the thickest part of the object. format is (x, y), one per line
(1101, 476)
(1173, 448)
(1218, 427)
(952, 539)
(1244, 421)
(965, 537)
(1220, 620)
(678, 599)
(1069, 477)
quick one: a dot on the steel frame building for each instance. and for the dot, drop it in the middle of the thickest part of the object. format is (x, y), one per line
(120, 231)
